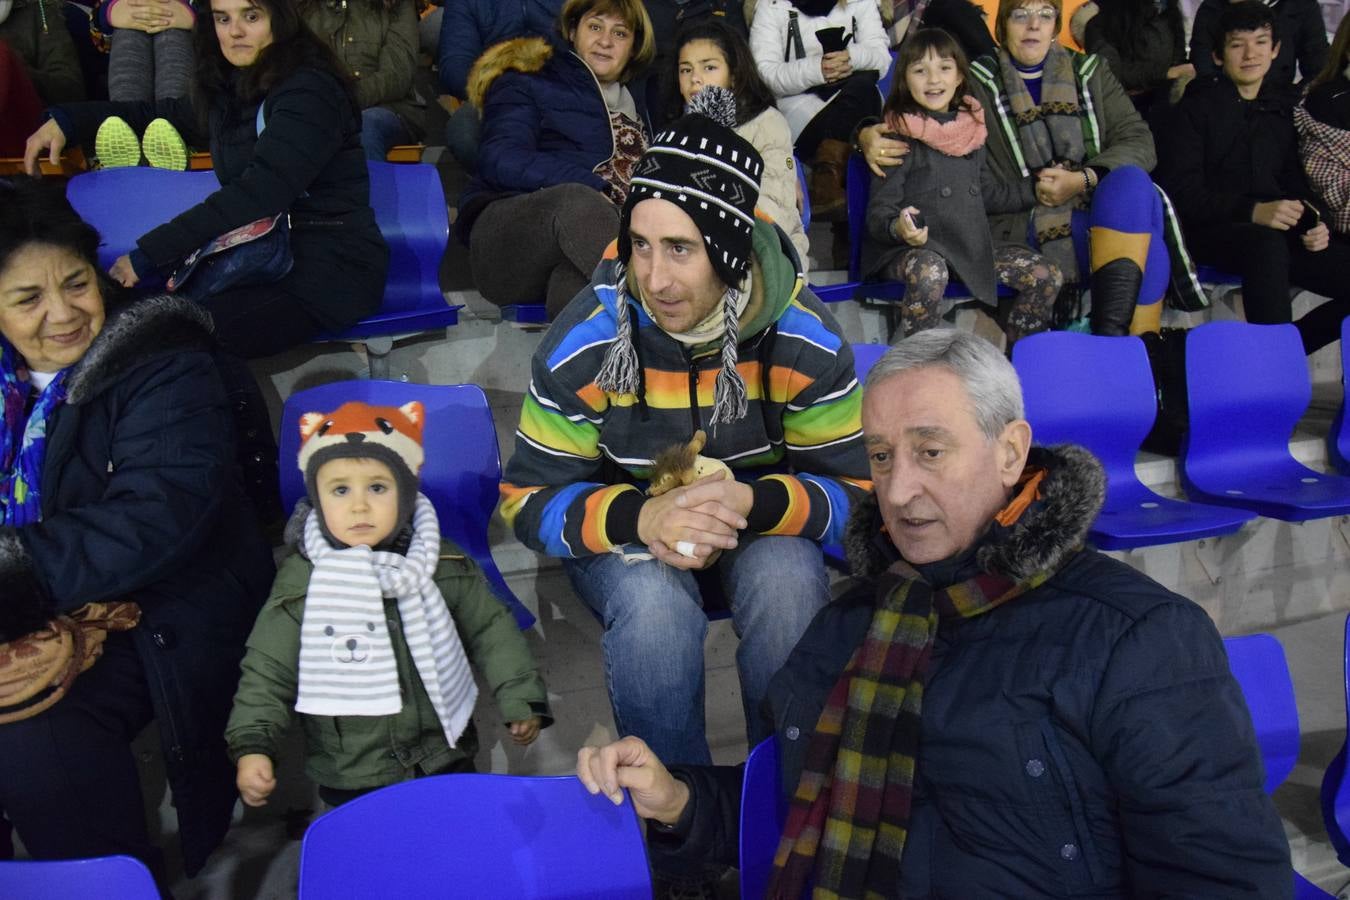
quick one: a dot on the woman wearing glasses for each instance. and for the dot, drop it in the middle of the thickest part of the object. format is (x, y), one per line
(1065, 136)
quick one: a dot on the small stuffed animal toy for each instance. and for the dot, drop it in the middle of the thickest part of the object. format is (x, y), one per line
(682, 464)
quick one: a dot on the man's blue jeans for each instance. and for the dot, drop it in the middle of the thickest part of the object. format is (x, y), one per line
(382, 129)
(655, 626)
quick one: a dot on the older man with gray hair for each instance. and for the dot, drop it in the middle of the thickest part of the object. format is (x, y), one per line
(995, 710)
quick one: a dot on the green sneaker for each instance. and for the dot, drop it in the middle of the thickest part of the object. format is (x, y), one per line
(115, 144)
(164, 147)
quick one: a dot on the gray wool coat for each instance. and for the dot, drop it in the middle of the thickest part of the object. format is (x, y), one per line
(955, 195)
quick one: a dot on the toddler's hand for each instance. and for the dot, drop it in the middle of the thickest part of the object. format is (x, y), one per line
(254, 778)
(525, 731)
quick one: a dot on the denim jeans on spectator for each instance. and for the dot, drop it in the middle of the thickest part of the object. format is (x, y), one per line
(655, 626)
(462, 134)
(381, 129)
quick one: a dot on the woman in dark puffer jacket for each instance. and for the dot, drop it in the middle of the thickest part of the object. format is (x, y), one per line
(561, 134)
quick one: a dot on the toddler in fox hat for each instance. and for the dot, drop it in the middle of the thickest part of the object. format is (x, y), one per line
(361, 634)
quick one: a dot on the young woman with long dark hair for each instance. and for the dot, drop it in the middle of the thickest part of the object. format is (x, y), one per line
(280, 115)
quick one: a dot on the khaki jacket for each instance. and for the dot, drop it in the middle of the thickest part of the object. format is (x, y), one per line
(378, 45)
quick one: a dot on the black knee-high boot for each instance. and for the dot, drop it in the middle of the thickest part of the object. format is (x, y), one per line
(1115, 290)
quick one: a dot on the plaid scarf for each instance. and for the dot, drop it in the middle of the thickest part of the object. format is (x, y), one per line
(1325, 150)
(846, 829)
(23, 440)
(1050, 134)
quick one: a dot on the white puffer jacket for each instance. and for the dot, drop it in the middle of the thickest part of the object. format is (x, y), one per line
(791, 78)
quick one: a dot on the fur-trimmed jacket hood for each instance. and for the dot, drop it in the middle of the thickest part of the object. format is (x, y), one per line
(522, 54)
(1043, 538)
(546, 122)
(132, 334)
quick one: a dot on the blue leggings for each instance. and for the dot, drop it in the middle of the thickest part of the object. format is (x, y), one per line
(1125, 220)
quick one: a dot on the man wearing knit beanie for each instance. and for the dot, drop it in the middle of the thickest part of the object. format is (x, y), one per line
(697, 319)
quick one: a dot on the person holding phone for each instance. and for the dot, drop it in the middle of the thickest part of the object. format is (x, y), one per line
(927, 217)
(1230, 160)
(822, 59)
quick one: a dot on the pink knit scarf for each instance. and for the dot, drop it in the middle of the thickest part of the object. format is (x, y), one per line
(958, 137)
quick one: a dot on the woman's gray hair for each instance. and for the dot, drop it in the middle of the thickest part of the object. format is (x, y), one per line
(990, 380)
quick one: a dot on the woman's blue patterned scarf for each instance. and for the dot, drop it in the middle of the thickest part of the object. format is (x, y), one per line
(23, 440)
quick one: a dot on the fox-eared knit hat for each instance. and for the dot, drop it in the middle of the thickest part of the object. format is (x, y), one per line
(390, 434)
(712, 174)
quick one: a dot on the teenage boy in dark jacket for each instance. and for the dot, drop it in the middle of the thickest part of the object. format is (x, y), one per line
(995, 711)
(1299, 22)
(1230, 163)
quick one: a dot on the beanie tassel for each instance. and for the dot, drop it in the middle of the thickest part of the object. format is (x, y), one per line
(732, 401)
(619, 372)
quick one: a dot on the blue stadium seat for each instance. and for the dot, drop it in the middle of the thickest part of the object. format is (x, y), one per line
(480, 836)
(409, 207)
(1258, 664)
(1098, 392)
(1335, 786)
(1248, 386)
(462, 469)
(1338, 441)
(763, 811)
(106, 877)
(806, 194)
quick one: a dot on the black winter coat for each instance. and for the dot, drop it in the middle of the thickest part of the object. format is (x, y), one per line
(1084, 740)
(308, 160)
(1221, 155)
(142, 501)
(1299, 28)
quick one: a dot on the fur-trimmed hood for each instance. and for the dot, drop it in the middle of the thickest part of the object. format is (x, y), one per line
(1042, 539)
(144, 327)
(522, 54)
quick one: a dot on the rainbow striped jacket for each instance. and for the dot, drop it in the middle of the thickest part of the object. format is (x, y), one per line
(575, 482)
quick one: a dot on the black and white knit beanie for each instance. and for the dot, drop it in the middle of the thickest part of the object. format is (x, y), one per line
(711, 173)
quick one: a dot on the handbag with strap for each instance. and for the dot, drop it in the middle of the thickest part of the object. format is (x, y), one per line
(252, 254)
(37, 670)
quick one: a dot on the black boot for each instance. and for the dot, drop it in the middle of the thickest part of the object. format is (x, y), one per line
(1115, 290)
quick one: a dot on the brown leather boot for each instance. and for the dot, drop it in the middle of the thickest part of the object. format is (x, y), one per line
(828, 169)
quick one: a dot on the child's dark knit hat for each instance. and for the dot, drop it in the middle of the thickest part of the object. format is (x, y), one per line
(355, 430)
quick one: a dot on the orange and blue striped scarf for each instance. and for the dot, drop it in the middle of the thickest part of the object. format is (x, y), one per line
(846, 828)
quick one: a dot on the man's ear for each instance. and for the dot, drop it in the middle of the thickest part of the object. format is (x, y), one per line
(1217, 57)
(1275, 51)
(1013, 446)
